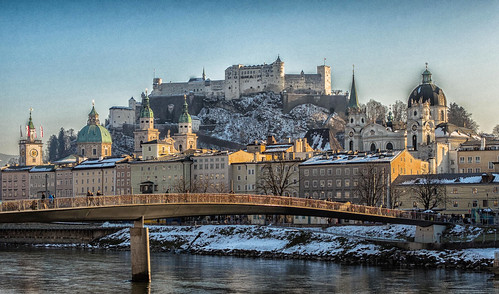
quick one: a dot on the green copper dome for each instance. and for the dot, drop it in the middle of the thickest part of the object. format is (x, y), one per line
(185, 117)
(94, 134)
(146, 110)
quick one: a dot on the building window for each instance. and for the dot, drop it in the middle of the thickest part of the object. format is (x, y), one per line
(322, 172)
(305, 172)
(355, 171)
(306, 184)
(329, 171)
(475, 203)
(338, 172)
(338, 183)
(491, 165)
(455, 204)
(477, 159)
(323, 183)
(329, 183)
(314, 184)
(314, 172)
(461, 159)
(347, 183)
(470, 159)
(338, 194)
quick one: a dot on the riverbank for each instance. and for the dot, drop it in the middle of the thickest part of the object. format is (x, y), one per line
(372, 245)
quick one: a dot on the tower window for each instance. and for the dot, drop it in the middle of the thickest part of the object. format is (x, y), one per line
(415, 113)
(389, 146)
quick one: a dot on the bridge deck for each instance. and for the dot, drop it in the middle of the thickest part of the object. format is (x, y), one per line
(152, 206)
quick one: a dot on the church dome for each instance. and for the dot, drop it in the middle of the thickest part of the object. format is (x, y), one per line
(94, 134)
(427, 92)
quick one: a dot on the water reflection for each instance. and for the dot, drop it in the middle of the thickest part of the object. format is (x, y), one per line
(38, 270)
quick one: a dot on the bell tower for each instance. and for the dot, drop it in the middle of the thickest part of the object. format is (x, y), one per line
(30, 147)
(146, 132)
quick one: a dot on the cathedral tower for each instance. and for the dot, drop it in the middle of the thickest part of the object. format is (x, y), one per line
(30, 149)
(185, 139)
(146, 131)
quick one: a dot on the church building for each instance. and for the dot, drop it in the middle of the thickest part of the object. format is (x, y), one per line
(427, 135)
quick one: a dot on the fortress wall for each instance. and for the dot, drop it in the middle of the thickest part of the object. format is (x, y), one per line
(338, 102)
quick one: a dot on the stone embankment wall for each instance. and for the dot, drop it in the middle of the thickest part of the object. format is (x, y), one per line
(51, 233)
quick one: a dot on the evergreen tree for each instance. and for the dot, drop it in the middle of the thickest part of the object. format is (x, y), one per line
(61, 144)
(460, 117)
(52, 148)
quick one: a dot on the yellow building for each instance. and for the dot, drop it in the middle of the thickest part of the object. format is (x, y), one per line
(463, 192)
(478, 156)
(96, 177)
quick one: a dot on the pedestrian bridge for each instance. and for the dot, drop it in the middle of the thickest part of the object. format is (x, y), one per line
(154, 206)
(138, 208)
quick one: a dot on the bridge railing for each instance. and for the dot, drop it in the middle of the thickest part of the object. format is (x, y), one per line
(210, 198)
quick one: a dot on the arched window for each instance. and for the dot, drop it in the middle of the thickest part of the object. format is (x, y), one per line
(441, 115)
(350, 145)
(428, 139)
(415, 142)
(373, 147)
(415, 113)
(180, 148)
(389, 146)
(351, 120)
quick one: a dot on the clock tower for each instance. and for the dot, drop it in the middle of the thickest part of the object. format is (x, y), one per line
(30, 148)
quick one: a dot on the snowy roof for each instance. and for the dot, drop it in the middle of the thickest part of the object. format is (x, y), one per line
(449, 179)
(102, 163)
(276, 150)
(17, 168)
(121, 107)
(42, 168)
(320, 139)
(352, 159)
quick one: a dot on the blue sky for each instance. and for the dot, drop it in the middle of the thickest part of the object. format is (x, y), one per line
(58, 56)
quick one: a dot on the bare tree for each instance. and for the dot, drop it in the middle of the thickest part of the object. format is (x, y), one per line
(429, 191)
(181, 186)
(399, 110)
(276, 178)
(371, 184)
(375, 111)
(495, 131)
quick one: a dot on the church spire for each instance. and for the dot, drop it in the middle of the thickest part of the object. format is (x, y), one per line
(185, 117)
(31, 127)
(353, 102)
(204, 75)
(146, 110)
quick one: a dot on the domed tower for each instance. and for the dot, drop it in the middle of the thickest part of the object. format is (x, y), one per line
(94, 141)
(429, 92)
(146, 131)
(185, 139)
(356, 121)
(30, 148)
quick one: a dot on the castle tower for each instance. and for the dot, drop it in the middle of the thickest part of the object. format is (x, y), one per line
(30, 149)
(94, 141)
(325, 72)
(356, 121)
(279, 75)
(185, 139)
(146, 131)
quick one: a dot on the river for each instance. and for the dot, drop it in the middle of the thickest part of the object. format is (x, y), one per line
(48, 270)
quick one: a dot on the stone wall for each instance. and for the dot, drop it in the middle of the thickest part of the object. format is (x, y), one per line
(336, 102)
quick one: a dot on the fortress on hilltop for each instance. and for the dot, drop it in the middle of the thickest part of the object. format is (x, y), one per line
(248, 79)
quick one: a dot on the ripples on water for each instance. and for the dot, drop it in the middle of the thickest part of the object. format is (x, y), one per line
(39, 270)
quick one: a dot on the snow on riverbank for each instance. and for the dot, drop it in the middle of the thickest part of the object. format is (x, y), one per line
(347, 244)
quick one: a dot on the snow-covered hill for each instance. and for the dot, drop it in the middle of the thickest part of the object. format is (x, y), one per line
(256, 117)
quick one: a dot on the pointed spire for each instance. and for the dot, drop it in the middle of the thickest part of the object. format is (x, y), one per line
(204, 75)
(353, 102)
(278, 60)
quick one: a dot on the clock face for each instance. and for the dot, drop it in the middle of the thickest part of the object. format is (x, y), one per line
(34, 152)
(414, 127)
(23, 152)
(351, 134)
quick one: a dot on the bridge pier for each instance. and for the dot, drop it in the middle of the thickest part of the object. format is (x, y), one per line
(139, 247)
